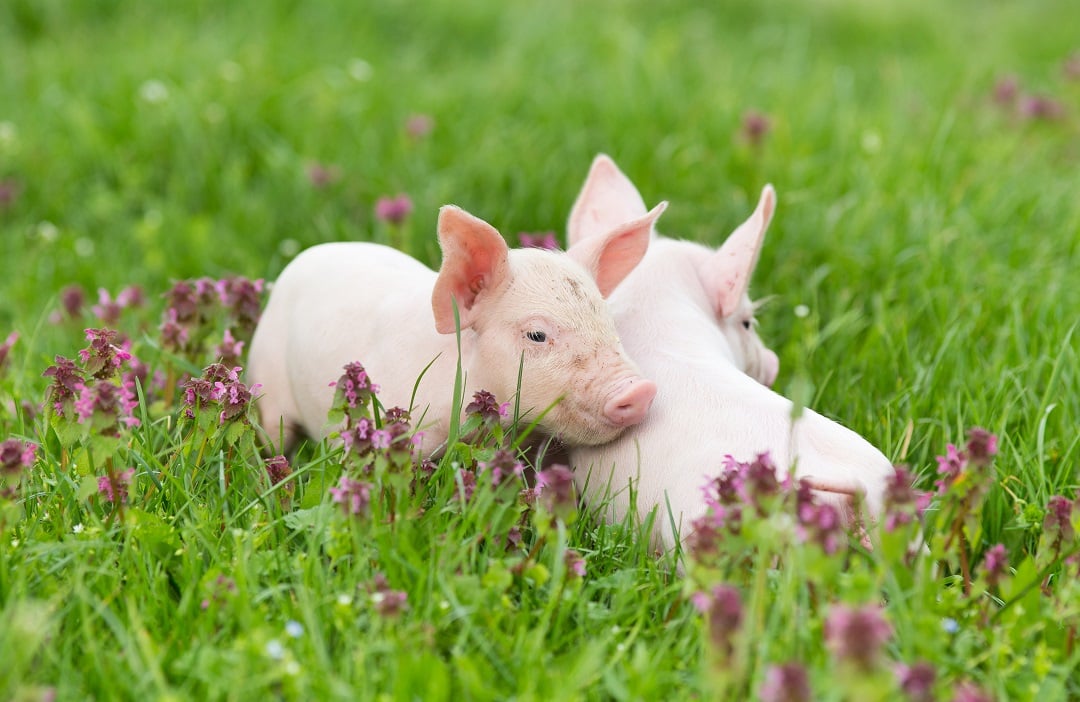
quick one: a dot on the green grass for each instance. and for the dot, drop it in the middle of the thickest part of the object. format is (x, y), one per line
(932, 234)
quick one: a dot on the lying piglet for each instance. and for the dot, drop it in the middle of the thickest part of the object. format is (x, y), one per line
(684, 317)
(343, 302)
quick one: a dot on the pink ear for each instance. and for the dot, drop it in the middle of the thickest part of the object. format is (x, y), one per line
(726, 273)
(611, 257)
(475, 262)
(607, 200)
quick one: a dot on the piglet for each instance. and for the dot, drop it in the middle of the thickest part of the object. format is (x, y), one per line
(541, 311)
(684, 316)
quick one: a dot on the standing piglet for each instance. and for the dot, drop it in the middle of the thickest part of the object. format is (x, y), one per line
(542, 311)
(684, 316)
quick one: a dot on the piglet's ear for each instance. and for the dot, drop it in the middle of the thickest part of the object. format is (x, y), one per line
(727, 273)
(475, 263)
(609, 258)
(606, 201)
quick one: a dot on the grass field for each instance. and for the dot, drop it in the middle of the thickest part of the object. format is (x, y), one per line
(923, 268)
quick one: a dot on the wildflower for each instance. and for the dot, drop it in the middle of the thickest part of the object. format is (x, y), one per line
(557, 490)
(102, 357)
(981, 446)
(278, 469)
(917, 681)
(786, 683)
(759, 482)
(1006, 90)
(72, 299)
(1071, 67)
(503, 464)
(354, 496)
(294, 628)
(5, 348)
(182, 302)
(242, 297)
(419, 126)
(67, 382)
(275, 650)
(354, 387)
(109, 403)
(131, 296)
(114, 487)
(236, 397)
(1057, 525)
(229, 350)
(388, 602)
(574, 563)
(393, 210)
(357, 438)
(996, 563)
(970, 692)
(903, 504)
(951, 465)
(15, 455)
(467, 482)
(755, 126)
(1040, 107)
(174, 336)
(107, 309)
(723, 612)
(320, 175)
(78, 528)
(485, 406)
(9, 191)
(513, 538)
(950, 625)
(857, 634)
(540, 240)
(823, 524)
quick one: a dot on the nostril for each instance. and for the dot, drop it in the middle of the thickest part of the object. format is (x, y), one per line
(630, 405)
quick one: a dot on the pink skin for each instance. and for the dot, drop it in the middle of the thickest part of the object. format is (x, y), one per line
(344, 302)
(684, 316)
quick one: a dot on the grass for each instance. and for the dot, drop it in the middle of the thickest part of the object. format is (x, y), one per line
(930, 233)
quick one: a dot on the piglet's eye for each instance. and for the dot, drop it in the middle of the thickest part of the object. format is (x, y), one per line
(537, 336)
(746, 324)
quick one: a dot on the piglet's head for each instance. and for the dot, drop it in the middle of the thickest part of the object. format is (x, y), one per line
(608, 198)
(544, 312)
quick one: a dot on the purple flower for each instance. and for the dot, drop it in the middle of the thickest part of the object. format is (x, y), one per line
(354, 387)
(321, 175)
(229, 350)
(278, 469)
(467, 481)
(950, 466)
(557, 491)
(5, 348)
(107, 309)
(501, 465)
(1041, 107)
(823, 524)
(174, 336)
(107, 404)
(856, 634)
(574, 562)
(539, 240)
(182, 302)
(970, 692)
(388, 602)
(723, 611)
(393, 210)
(996, 563)
(419, 126)
(67, 382)
(755, 126)
(1006, 90)
(917, 681)
(103, 357)
(1057, 525)
(131, 296)
(72, 299)
(114, 487)
(9, 191)
(15, 455)
(786, 683)
(485, 406)
(759, 482)
(1071, 67)
(243, 298)
(354, 496)
(981, 446)
(903, 504)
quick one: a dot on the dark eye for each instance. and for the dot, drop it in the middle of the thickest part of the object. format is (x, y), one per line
(746, 324)
(537, 336)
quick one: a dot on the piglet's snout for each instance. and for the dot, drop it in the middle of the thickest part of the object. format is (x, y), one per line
(770, 368)
(630, 401)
